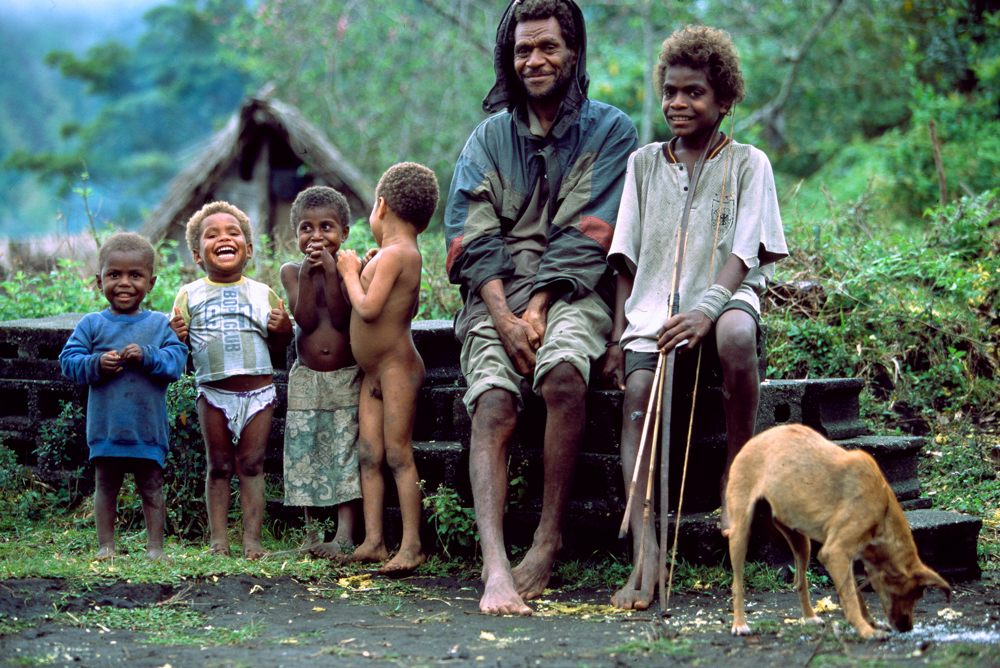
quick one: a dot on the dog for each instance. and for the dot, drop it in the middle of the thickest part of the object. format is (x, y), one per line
(820, 491)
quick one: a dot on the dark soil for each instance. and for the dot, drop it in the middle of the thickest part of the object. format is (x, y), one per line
(432, 621)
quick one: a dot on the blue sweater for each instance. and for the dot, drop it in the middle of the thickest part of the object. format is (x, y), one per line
(127, 412)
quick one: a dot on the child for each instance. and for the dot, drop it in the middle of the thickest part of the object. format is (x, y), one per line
(384, 296)
(128, 357)
(230, 322)
(321, 427)
(700, 79)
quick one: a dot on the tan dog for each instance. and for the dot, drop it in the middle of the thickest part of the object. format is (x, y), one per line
(818, 490)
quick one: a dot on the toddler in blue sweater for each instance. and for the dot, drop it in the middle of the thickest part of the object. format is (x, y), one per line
(128, 357)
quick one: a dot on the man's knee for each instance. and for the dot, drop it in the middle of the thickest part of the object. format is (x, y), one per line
(563, 386)
(496, 412)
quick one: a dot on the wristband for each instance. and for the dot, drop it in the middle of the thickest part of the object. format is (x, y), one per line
(714, 300)
(611, 343)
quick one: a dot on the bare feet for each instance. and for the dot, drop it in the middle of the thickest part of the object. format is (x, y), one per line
(253, 550)
(637, 594)
(330, 550)
(404, 563)
(106, 552)
(220, 548)
(370, 552)
(500, 597)
(532, 575)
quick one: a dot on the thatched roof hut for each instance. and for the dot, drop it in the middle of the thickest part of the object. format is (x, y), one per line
(265, 155)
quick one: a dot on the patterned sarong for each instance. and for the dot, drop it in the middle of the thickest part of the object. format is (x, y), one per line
(321, 434)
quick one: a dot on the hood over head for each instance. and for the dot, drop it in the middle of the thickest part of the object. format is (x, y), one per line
(508, 91)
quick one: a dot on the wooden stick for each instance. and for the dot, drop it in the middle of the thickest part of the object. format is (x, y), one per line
(647, 508)
(642, 447)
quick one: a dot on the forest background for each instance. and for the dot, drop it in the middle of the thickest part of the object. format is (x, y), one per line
(881, 119)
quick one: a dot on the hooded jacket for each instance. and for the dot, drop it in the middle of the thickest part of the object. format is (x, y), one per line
(536, 211)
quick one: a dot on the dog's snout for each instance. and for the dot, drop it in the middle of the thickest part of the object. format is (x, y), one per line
(904, 624)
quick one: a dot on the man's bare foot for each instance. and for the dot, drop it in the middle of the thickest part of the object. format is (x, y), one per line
(532, 575)
(253, 550)
(404, 563)
(370, 552)
(330, 550)
(220, 548)
(106, 552)
(154, 553)
(636, 594)
(500, 597)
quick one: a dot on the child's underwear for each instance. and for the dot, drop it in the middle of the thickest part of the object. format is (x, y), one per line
(239, 407)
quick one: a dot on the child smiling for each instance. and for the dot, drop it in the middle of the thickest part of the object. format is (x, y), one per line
(126, 356)
(231, 323)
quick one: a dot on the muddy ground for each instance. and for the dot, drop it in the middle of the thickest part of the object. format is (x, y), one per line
(368, 620)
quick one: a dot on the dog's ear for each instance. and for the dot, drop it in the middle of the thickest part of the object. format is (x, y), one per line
(928, 578)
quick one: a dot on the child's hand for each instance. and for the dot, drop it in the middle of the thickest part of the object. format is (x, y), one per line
(613, 371)
(179, 326)
(348, 262)
(328, 261)
(279, 322)
(684, 328)
(110, 363)
(314, 257)
(369, 256)
(131, 355)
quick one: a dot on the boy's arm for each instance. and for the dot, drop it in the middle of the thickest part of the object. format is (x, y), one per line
(301, 292)
(614, 360)
(279, 325)
(695, 324)
(369, 305)
(338, 304)
(166, 358)
(180, 316)
(78, 361)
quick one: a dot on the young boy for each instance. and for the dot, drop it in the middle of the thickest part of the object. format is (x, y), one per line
(230, 322)
(128, 357)
(321, 427)
(384, 296)
(734, 237)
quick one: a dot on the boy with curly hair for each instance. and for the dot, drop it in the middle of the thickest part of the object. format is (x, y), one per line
(128, 357)
(321, 426)
(384, 295)
(231, 323)
(734, 237)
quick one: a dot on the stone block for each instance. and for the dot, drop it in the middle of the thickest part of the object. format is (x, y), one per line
(947, 542)
(29, 348)
(831, 406)
(897, 457)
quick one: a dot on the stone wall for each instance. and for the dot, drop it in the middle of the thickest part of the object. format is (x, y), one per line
(32, 386)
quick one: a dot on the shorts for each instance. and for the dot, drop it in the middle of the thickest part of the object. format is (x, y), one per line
(321, 436)
(239, 407)
(574, 333)
(711, 367)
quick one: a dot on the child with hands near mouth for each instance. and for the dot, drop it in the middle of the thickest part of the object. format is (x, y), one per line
(321, 425)
(384, 295)
(128, 355)
(231, 323)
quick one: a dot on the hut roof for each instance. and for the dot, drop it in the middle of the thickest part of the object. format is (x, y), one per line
(194, 186)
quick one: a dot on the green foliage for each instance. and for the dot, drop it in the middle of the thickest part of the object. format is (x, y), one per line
(62, 437)
(912, 312)
(63, 290)
(455, 525)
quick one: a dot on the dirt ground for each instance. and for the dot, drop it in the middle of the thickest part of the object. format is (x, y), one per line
(365, 619)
